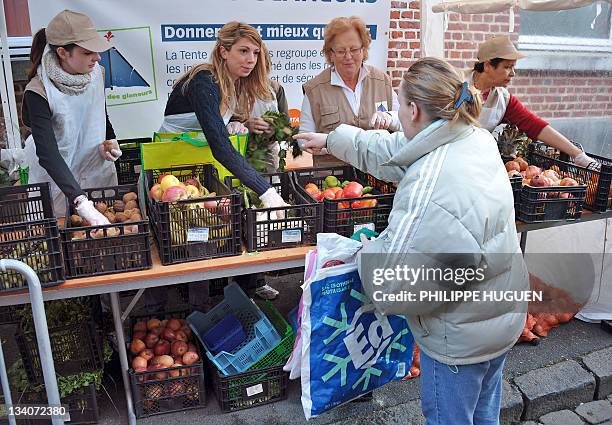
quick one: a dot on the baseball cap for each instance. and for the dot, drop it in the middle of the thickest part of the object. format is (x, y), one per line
(498, 47)
(69, 27)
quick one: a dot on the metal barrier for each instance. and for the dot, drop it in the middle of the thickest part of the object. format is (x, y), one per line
(42, 337)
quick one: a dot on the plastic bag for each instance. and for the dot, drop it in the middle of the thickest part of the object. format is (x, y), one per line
(352, 348)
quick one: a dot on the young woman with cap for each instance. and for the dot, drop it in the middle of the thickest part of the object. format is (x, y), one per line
(64, 105)
(443, 217)
(491, 75)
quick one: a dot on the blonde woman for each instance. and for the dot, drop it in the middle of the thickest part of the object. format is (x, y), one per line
(443, 214)
(206, 98)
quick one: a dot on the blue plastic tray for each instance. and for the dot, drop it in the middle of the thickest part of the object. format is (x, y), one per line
(225, 335)
(261, 336)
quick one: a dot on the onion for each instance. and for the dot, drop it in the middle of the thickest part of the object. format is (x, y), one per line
(190, 358)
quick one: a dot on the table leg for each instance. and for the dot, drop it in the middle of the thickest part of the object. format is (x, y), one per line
(523, 241)
(114, 297)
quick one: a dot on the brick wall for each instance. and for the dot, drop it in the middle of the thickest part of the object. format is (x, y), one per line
(550, 94)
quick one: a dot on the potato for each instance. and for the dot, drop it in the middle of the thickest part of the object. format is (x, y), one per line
(118, 206)
(78, 235)
(120, 217)
(102, 207)
(130, 205)
(135, 217)
(85, 223)
(76, 220)
(130, 196)
(110, 216)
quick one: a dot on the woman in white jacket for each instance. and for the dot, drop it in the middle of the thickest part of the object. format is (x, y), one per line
(453, 209)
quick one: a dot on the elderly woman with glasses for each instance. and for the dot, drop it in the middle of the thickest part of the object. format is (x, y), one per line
(349, 91)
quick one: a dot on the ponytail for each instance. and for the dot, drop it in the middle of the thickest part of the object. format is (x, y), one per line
(467, 110)
(39, 41)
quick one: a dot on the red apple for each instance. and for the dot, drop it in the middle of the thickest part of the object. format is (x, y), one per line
(162, 348)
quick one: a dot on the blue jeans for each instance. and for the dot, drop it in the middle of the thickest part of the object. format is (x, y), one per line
(461, 395)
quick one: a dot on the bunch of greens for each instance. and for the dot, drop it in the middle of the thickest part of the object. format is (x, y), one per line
(512, 141)
(259, 146)
(59, 313)
(250, 197)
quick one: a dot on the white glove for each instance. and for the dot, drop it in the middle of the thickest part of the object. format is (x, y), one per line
(109, 150)
(271, 199)
(583, 160)
(236, 127)
(85, 208)
(314, 143)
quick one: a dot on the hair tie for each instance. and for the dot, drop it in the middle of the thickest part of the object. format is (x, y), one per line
(464, 96)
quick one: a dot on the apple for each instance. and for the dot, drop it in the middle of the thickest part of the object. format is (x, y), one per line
(150, 340)
(174, 193)
(192, 191)
(568, 181)
(513, 165)
(169, 181)
(532, 171)
(540, 181)
(522, 163)
(156, 192)
(162, 347)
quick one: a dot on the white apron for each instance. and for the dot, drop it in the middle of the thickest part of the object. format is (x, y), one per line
(79, 125)
(494, 109)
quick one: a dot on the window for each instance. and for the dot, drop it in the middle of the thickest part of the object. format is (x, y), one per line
(586, 29)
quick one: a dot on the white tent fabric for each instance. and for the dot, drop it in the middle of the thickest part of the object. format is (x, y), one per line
(494, 6)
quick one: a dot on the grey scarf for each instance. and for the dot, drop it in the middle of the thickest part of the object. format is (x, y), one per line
(69, 84)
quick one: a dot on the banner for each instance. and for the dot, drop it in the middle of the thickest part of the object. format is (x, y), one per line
(155, 41)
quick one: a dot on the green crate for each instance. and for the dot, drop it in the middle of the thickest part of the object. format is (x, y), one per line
(268, 371)
(282, 351)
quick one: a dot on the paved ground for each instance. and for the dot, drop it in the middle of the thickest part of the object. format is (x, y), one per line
(555, 376)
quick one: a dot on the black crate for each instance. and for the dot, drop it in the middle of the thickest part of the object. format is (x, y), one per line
(263, 231)
(342, 216)
(82, 406)
(37, 244)
(249, 389)
(186, 230)
(23, 204)
(29, 233)
(175, 389)
(9, 314)
(598, 196)
(76, 348)
(541, 204)
(112, 248)
(129, 163)
(517, 183)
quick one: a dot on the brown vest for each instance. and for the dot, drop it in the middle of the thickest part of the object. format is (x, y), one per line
(330, 108)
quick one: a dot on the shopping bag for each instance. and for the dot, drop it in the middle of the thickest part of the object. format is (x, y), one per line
(175, 149)
(347, 348)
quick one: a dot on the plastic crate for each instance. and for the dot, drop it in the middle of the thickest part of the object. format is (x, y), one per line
(303, 219)
(93, 250)
(9, 314)
(186, 231)
(261, 335)
(24, 204)
(154, 394)
(129, 163)
(598, 196)
(76, 348)
(517, 184)
(339, 215)
(226, 335)
(82, 406)
(264, 382)
(542, 204)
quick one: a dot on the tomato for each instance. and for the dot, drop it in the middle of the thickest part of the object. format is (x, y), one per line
(360, 204)
(311, 185)
(319, 196)
(353, 190)
(329, 194)
(336, 189)
(340, 194)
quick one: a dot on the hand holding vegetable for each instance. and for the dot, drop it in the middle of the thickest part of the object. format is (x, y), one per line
(109, 150)
(258, 125)
(236, 127)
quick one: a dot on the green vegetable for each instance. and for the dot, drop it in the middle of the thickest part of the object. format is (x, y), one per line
(59, 313)
(331, 181)
(258, 149)
(367, 189)
(512, 141)
(250, 197)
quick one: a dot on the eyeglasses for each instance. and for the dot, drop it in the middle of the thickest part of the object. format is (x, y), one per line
(352, 52)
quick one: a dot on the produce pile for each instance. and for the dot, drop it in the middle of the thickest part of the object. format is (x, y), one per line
(512, 141)
(159, 345)
(258, 148)
(536, 177)
(213, 213)
(34, 253)
(335, 189)
(123, 210)
(557, 308)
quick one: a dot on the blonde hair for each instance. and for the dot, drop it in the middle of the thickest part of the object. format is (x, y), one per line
(339, 25)
(435, 85)
(246, 90)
